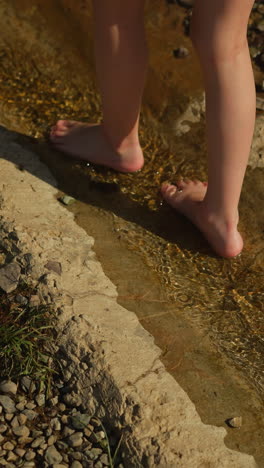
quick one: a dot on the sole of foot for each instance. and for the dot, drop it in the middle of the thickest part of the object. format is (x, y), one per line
(186, 197)
(89, 143)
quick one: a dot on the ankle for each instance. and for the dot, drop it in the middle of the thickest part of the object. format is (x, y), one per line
(121, 143)
(227, 219)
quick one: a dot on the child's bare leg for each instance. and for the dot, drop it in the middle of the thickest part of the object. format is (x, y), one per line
(219, 34)
(121, 59)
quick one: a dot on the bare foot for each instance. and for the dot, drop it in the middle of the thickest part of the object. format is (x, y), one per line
(89, 143)
(187, 198)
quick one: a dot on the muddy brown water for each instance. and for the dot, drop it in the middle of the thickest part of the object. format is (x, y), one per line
(205, 313)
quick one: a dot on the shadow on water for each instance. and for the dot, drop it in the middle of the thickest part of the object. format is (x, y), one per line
(205, 313)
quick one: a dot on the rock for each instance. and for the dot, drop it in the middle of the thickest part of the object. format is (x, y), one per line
(77, 455)
(51, 440)
(235, 422)
(20, 452)
(30, 455)
(24, 440)
(11, 456)
(27, 383)
(21, 299)
(9, 277)
(15, 422)
(76, 464)
(67, 431)
(256, 158)
(104, 459)
(30, 405)
(52, 455)
(55, 424)
(7, 386)
(100, 434)
(37, 442)
(34, 301)
(40, 399)
(54, 402)
(181, 52)
(30, 414)
(1, 439)
(9, 416)
(20, 406)
(54, 266)
(3, 428)
(7, 403)
(8, 446)
(72, 399)
(21, 431)
(192, 114)
(67, 200)
(76, 439)
(80, 420)
(22, 418)
(35, 433)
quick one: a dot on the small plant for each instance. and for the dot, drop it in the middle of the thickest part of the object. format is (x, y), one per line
(24, 330)
(106, 445)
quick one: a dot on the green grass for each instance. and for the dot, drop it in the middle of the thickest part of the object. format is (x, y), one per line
(24, 334)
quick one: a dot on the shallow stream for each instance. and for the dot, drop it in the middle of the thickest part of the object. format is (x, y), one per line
(205, 313)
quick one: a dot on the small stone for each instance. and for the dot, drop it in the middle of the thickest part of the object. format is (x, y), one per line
(72, 399)
(76, 439)
(3, 428)
(24, 440)
(1, 439)
(40, 399)
(27, 384)
(98, 465)
(104, 459)
(61, 407)
(30, 405)
(180, 52)
(54, 266)
(100, 434)
(11, 456)
(97, 452)
(67, 200)
(67, 431)
(77, 455)
(65, 419)
(35, 433)
(48, 431)
(20, 452)
(7, 403)
(30, 455)
(15, 422)
(54, 401)
(9, 277)
(2, 453)
(37, 442)
(51, 440)
(44, 446)
(260, 26)
(20, 406)
(55, 424)
(3, 462)
(34, 301)
(9, 416)
(7, 386)
(22, 418)
(235, 422)
(21, 431)
(76, 464)
(21, 299)
(8, 446)
(52, 455)
(87, 432)
(30, 414)
(80, 421)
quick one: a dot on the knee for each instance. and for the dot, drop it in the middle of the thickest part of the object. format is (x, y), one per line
(216, 45)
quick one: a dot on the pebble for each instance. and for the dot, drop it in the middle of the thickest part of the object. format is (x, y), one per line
(52, 455)
(22, 418)
(30, 405)
(8, 446)
(34, 301)
(24, 440)
(76, 439)
(9, 277)
(104, 459)
(67, 431)
(76, 464)
(15, 422)
(181, 52)
(30, 414)
(51, 440)
(1, 439)
(235, 422)
(20, 452)
(37, 442)
(40, 399)
(20, 406)
(55, 424)
(27, 383)
(2, 453)
(3, 428)
(21, 299)
(80, 420)
(7, 386)
(67, 200)
(7, 403)
(21, 431)
(11, 456)
(9, 416)
(30, 455)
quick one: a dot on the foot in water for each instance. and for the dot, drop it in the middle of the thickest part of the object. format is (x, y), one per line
(89, 143)
(187, 197)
